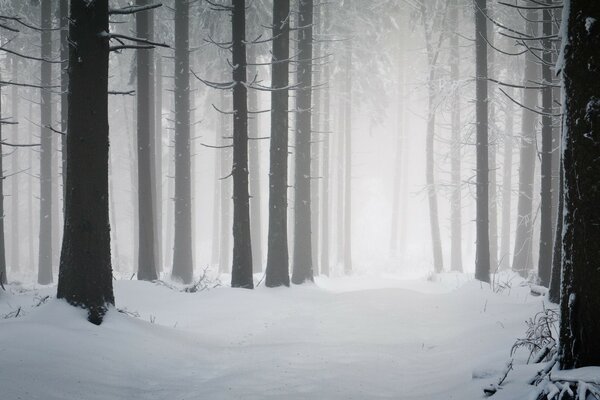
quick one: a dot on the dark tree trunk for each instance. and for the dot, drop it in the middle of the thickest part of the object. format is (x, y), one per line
(302, 264)
(580, 298)
(522, 255)
(546, 216)
(277, 273)
(255, 173)
(145, 115)
(455, 156)
(85, 277)
(482, 256)
(3, 278)
(241, 269)
(555, 279)
(15, 260)
(45, 242)
(183, 269)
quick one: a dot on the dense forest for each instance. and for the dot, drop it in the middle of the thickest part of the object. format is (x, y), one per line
(327, 198)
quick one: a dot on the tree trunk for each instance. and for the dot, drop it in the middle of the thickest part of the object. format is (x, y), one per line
(326, 173)
(241, 270)
(225, 156)
(64, 87)
(85, 277)
(183, 265)
(507, 186)
(158, 174)
(3, 278)
(580, 299)
(255, 173)
(277, 273)
(348, 164)
(145, 118)
(339, 236)
(522, 255)
(45, 241)
(554, 292)
(482, 256)
(216, 215)
(455, 156)
(15, 217)
(546, 216)
(302, 259)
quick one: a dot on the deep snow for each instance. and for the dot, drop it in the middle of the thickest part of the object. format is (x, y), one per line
(361, 337)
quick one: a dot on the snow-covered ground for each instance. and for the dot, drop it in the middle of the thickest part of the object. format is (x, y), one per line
(360, 337)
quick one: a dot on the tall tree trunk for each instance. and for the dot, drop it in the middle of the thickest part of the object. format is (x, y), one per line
(277, 273)
(241, 269)
(225, 157)
(507, 185)
(64, 87)
(158, 175)
(348, 164)
(557, 255)
(493, 134)
(302, 259)
(255, 173)
(145, 118)
(580, 299)
(15, 217)
(340, 159)
(216, 215)
(30, 184)
(482, 257)
(183, 265)
(522, 255)
(455, 156)
(546, 216)
(85, 277)
(45, 241)
(326, 173)
(3, 278)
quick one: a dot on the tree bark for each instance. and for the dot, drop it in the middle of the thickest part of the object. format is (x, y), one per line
(183, 269)
(507, 186)
(482, 256)
(15, 217)
(241, 269)
(277, 273)
(580, 298)
(302, 258)
(3, 277)
(348, 164)
(326, 173)
(45, 234)
(145, 118)
(522, 255)
(85, 277)
(546, 216)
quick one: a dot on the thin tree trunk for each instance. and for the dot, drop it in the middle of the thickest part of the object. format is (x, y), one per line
(326, 173)
(3, 277)
(546, 216)
(348, 164)
(339, 220)
(255, 173)
(455, 156)
(216, 215)
(507, 186)
(45, 241)
(277, 273)
(15, 217)
(182, 242)
(158, 175)
(85, 277)
(522, 255)
(302, 258)
(482, 257)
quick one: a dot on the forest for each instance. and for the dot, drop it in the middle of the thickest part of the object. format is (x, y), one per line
(299, 199)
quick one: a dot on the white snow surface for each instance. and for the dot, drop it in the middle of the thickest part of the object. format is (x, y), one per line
(360, 337)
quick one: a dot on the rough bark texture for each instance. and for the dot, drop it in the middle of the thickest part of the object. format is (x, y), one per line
(182, 237)
(522, 255)
(241, 269)
(482, 255)
(546, 217)
(277, 273)
(146, 250)
(580, 299)
(45, 234)
(85, 277)
(302, 258)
